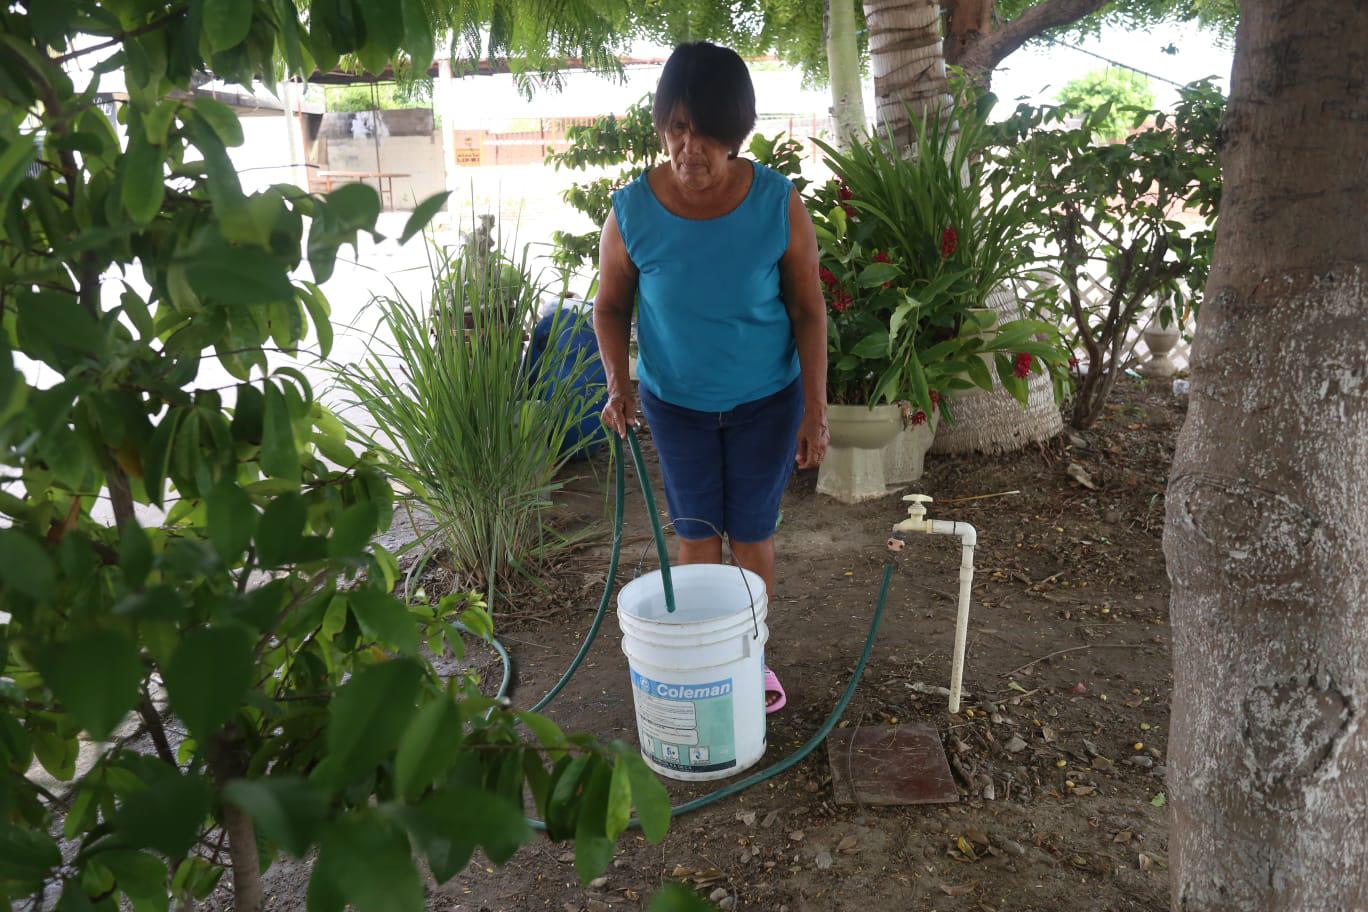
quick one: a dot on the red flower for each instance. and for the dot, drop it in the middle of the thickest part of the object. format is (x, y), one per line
(840, 300)
(1073, 362)
(1022, 368)
(849, 211)
(919, 418)
(880, 256)
(935, 399)
(828, 277)
(949, 241)
(844, 191)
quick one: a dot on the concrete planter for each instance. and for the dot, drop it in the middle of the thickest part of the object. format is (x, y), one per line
(905, 455)
(853, 470)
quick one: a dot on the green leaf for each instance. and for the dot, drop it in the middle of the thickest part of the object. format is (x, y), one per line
(157, 122)
(56, 753)
(676, 897)
(877, 274)
(141, 876)
(231, 520)
(418, 32)
(978, 372)
(208, 677)
(353, 206)
(57, 322)
(279, 454)
(319, 312)
(225, 190)
(428, 748)
(874, 345)
(280, 529)
(467, 815)
(367, 718)
(287, 811)
(219, 116)
(651, 800)
(352, 529)
(226, 23)
(96, 676)
(242, 276)
(383, 617)
(167, 814)
(619, 811)
(26, 855)
(24, 564)
(14, 164)
(365, 861)
(144, 184)
(423, 213)
(1159, 800)
(593, 848)
(548, 733)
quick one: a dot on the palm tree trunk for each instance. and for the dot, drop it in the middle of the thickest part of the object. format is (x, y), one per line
(843, 66)
(1267, 510)
(908, 60)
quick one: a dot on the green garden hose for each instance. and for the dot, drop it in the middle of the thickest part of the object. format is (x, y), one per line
(756, 778)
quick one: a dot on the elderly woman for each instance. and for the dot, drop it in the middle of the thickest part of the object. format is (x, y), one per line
(719, 256)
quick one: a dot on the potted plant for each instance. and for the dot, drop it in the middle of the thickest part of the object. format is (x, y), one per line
(910, 249)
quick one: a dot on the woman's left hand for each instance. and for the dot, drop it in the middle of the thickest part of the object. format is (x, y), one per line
(812, 440)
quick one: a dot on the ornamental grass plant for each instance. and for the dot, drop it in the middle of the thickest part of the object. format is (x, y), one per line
(474, 435)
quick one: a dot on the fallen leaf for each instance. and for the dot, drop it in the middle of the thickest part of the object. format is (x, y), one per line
(1084, 790)
(769, 819)
(965, 848)
(1122, 837)
(1047, 733)
(847, 845)
(746, 817)
(796, 835)
(823, 860)
(1145, 861)
(1159, 800)
(1016, 745)
(956, 889)
(1080, 475)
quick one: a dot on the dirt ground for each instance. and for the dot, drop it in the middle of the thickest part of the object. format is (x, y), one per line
(1058, 755)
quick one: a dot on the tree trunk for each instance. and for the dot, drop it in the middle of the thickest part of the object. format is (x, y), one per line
(1267, 512)
(977, 48)
(843, 65)
(226, 765)
(906, 56)
(970, 21)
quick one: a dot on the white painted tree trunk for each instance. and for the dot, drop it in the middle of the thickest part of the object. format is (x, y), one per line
(1267, 510)
(843, 66)
(908, 63)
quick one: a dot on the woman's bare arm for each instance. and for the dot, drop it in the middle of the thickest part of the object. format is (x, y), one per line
(613, 324)
(802, 291)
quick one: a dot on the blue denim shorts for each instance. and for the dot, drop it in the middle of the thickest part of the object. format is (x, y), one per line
(728, 468)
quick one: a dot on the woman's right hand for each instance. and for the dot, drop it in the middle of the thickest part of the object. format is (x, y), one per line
(620, 412)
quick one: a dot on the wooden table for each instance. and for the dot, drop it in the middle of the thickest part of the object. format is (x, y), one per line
(385, 179)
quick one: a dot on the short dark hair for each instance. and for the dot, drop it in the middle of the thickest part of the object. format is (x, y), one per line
(713, 87)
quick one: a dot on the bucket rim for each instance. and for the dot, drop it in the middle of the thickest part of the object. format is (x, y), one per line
(754, 610)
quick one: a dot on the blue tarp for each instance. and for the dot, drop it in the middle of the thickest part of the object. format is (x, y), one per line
(574, 341)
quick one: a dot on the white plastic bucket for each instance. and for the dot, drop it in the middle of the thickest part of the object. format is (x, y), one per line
(698, 675)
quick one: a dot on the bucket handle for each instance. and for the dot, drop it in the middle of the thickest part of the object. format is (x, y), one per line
(755, 621)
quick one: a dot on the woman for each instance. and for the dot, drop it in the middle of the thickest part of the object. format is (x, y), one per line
(720, 257)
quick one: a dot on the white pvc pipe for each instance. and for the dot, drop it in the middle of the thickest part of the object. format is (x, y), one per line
(968, 536)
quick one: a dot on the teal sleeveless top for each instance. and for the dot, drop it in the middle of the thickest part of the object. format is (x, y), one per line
(712, 329)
